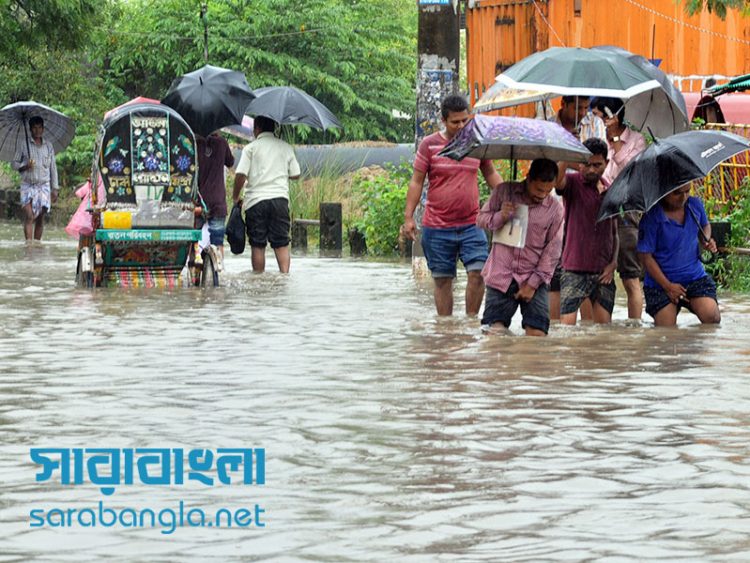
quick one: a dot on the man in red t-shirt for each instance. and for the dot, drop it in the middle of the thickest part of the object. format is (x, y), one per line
(449, 230)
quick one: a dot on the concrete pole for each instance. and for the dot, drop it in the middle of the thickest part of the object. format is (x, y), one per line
(331, 230)
(438, 47)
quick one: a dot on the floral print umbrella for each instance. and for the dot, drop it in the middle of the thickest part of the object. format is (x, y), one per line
(515, 138)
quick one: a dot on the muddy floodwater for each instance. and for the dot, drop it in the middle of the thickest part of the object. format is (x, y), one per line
(388, 434)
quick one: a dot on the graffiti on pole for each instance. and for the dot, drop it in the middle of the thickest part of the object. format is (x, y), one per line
(432, 87)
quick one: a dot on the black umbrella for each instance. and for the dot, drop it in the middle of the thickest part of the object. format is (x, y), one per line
(14, 128)
(661, 110)
(665, 166)
(210, 98)
(288, 105)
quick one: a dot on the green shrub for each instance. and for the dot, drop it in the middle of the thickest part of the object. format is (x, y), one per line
(732, 272)
(383, 199)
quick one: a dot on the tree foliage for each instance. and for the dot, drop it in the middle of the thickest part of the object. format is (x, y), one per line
(719, 7)
(48, 62)
(52, 24)
(356, 56)
(83, 57)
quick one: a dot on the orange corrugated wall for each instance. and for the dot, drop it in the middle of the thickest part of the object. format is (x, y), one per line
(697, 45)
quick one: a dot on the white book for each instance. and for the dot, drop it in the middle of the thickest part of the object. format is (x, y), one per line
(513, 233)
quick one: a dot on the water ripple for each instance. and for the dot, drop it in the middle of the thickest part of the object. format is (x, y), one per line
(389, 433)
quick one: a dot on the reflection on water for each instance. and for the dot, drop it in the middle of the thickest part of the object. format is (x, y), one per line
(389, 433)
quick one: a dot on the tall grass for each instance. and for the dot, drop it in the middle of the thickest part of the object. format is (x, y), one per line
(331, 184)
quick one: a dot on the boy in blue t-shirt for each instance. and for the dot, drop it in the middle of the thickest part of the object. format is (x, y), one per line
(669, 251)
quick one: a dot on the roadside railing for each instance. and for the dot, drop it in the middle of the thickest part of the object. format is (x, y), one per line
(723, 182)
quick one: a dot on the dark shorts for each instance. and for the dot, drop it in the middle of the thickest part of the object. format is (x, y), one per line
(554, 284)
(499, 307)
(657, 298)
(628, 265)
(577, 286)
(443, 247)
(268, 221)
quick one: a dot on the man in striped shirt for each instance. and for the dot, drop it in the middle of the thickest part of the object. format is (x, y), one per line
(520, 276)
(36, 163)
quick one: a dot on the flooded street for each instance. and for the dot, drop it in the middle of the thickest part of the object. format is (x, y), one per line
(388, 433)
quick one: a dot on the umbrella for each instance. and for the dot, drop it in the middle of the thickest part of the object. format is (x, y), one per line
(521, 138)
(136, 100)
(738, 84)
(14, 128)
(661, 110)
(210, 98)
(499, 96)
(244, 131)
(574, 71)
(288, 105)
(665, 166)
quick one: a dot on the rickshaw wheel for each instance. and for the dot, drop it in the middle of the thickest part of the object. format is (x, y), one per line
(83, 279)
(209, 275)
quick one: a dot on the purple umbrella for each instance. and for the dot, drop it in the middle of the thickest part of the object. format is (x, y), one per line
(515, 138)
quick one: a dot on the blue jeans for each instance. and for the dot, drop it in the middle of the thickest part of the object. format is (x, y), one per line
(500, 307)
(216, 229)
(443, 247)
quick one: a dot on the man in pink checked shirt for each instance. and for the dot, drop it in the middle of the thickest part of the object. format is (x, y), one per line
(520, 276)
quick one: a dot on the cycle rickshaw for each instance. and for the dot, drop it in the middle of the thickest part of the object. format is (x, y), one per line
(146, 204)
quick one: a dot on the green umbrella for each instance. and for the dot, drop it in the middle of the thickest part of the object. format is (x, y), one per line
(735, 85)
(660, 111)
(574, 71)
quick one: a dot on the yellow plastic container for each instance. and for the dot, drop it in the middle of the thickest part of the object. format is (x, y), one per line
(117, 220)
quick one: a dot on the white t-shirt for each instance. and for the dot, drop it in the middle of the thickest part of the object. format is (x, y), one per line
(268, 162)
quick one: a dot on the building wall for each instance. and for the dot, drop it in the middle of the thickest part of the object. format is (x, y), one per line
(501, 32)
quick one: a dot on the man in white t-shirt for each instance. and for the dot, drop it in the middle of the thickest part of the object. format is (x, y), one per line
(267, 164)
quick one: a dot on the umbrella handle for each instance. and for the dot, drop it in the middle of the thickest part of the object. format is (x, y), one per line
(26, 134)
(701, 235)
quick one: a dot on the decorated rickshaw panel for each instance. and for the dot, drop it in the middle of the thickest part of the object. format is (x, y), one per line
(147, 153)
